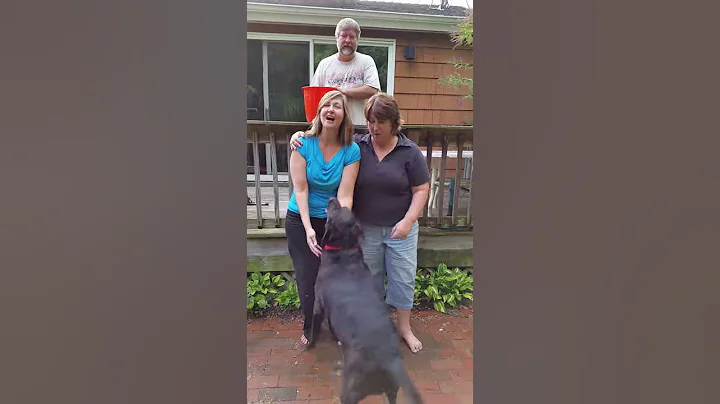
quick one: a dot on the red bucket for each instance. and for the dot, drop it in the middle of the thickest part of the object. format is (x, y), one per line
(312, 96)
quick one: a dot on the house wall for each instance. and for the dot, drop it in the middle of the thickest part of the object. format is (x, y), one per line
(422, 100)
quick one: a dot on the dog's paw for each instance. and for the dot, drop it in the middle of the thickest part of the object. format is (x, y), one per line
(337, 368)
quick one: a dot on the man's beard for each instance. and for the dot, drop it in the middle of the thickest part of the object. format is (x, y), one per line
(346, 50)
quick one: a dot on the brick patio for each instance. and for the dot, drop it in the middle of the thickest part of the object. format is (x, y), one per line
(279, 371)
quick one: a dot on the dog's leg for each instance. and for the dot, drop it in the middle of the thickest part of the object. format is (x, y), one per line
(350, 398)
(349, 394)
(392, 395)
(318, 315)
(401, 379)
(338, 365)
(332, 332)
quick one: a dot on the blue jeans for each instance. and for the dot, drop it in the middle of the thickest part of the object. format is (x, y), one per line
(395, 258)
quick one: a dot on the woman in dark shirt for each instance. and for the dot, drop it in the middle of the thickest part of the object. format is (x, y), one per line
(390, 192)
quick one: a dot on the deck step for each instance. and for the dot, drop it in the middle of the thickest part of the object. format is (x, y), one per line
(267, 249)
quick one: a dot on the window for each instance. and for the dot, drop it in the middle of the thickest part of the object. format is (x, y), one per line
(378, 53)
(279, 65)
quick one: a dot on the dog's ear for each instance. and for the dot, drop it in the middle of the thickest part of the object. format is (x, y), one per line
(327, 237)
(333, 204)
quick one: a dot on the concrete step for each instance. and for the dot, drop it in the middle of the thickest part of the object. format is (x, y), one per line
(267, 249)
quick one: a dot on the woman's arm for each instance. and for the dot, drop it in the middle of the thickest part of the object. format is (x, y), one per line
(362, 92)
(417, 174)
(295, 141)
(347, 184)
(298, 171)
(419, 198)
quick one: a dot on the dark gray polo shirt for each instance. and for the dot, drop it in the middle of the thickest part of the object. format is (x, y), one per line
(383, 190)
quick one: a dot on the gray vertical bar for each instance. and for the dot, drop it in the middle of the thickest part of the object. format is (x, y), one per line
(441, 180)
(258, 191)
(469, 207)
(427, 212)
(276, 186)
(290, 184)
(458, 166)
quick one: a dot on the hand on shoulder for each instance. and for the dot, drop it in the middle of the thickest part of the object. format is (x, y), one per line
(295, 141)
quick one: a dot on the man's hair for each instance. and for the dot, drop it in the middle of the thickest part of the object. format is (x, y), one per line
(347, 23)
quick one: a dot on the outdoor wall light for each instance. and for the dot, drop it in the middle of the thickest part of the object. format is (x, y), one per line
(409, 53)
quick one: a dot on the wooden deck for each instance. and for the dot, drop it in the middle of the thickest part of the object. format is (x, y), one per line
(442, 146)
(268, 200)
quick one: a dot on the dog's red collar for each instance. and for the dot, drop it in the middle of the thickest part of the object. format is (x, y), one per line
(337, 248)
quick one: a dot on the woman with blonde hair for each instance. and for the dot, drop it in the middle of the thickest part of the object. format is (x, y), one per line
(325, 166)
(391, 190)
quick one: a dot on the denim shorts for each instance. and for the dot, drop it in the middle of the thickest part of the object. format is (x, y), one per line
(395, 258)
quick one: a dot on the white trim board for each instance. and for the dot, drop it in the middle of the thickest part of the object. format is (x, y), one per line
(283, 13)
(323, 39)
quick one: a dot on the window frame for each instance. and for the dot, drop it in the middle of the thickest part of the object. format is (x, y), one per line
(311, 40)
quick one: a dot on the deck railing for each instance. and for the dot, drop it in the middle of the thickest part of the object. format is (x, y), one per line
(448, 151)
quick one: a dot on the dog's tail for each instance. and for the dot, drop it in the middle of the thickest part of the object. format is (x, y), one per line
(403, 380)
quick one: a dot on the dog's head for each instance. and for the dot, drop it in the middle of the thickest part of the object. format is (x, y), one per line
(341, 228)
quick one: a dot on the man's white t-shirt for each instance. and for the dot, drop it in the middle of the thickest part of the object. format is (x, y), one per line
(361, 70)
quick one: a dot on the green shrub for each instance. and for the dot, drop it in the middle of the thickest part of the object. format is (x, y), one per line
(442, 287)
(288, 299)
(261, 288)
(437, 288)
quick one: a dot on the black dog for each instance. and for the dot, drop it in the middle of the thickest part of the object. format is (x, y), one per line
(346, 294)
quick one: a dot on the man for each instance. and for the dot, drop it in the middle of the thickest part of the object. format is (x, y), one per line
(351, 72)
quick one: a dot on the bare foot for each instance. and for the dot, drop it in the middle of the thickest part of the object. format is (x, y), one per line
(413, 343)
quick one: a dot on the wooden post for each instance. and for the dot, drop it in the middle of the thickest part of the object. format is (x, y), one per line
(276, 185)
(441, 182)
(428, 158)
(458, 164)
(258, 191)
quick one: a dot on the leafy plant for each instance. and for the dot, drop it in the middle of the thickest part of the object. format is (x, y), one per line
(261, 288)
(440, 288)
(289, 299)
(462, 36)
(443, 287)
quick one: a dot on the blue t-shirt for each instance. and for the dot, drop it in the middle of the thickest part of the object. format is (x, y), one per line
(323, 178)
